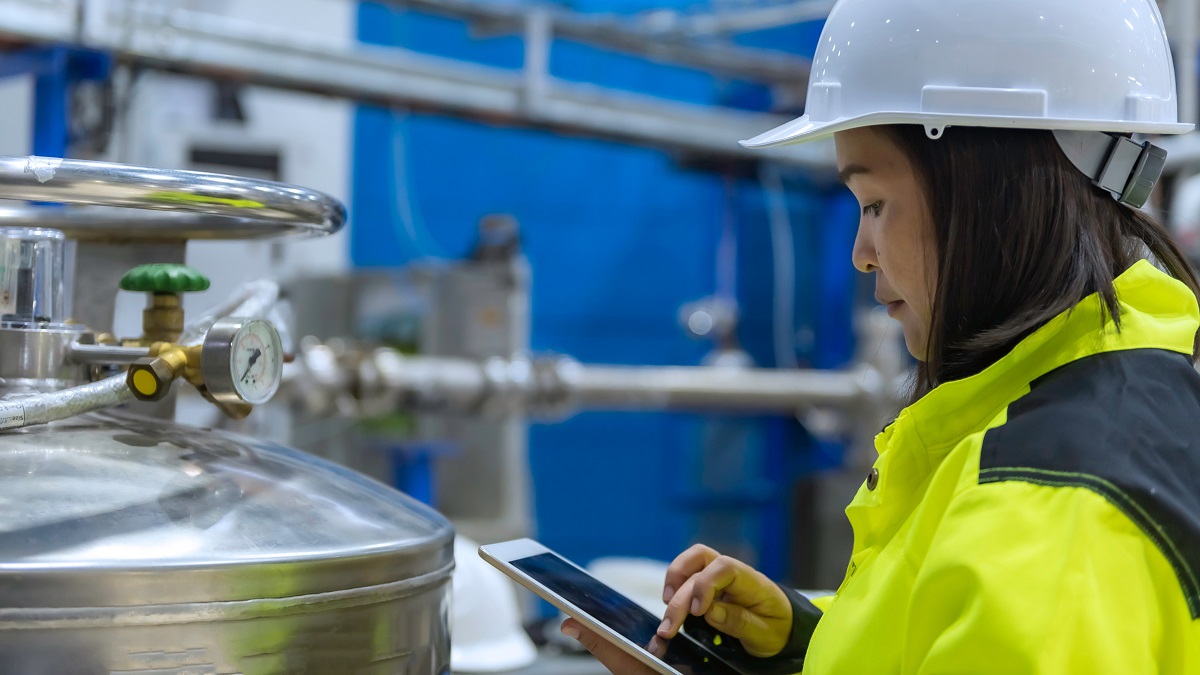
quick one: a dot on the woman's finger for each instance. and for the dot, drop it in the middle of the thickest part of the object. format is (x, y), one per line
(696, 594)
(677, 610)
(715, 580)
(732, 581)
(608, 654)
(684, 566)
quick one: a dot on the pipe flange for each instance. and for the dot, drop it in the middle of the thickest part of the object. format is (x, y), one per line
(555, 379)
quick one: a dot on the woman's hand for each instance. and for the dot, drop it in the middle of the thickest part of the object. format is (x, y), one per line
(732, 597)
(606, 652)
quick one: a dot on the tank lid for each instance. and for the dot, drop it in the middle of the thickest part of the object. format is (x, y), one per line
(114, 510)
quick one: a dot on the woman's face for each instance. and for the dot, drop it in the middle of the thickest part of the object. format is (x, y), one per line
(895, 231)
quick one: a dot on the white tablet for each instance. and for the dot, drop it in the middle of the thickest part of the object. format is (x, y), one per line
(609, 614)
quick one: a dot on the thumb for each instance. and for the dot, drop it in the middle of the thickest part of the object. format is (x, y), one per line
(608, 654)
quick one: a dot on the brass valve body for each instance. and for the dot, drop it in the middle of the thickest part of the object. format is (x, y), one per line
(162, 320)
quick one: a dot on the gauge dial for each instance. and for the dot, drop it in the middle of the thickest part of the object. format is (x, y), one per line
(257, 361)
(242, 360)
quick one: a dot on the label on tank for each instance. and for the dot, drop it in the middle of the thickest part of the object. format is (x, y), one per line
(11, 415)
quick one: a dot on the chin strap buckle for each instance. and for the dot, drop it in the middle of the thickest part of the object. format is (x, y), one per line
(1126, 169)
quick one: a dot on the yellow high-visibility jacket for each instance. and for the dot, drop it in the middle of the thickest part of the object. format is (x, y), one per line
(1042, 516)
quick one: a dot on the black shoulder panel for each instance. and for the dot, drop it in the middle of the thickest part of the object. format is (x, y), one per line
(1125, 425)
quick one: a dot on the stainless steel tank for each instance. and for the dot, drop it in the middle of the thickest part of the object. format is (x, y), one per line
(131, 544)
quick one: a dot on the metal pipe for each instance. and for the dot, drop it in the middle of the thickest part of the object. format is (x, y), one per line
(559, 386)
(1186, 47)
(17, 412)
(538, 41)
(760, 18)
(643, 39)
(253, 299)
(430, 382)
(256, 54)
(711, 389)
(49, 20)
(106, 354)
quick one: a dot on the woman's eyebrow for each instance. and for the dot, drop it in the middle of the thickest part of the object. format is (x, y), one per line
(851, 171)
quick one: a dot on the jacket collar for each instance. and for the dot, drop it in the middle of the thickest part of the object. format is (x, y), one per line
(1157, 312)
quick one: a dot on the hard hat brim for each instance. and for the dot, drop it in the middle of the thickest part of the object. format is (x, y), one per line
(804, 129)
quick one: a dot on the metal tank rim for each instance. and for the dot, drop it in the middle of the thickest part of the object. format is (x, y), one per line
(44, 618)
(218, 574)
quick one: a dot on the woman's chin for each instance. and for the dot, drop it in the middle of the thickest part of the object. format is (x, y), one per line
(917, 344)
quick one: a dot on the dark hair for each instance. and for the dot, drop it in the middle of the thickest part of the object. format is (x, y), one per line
(1022, 236)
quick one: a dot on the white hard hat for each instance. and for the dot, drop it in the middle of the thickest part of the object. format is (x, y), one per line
(1084, 65)
(485, 623)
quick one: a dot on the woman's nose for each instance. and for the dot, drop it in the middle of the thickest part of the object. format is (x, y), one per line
(864, 256)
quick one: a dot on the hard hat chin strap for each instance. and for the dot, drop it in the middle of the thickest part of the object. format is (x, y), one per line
(1123, 167)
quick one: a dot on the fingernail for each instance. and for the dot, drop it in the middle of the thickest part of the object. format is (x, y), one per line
(696, 606)
(571, 632)
(717, 614)
(665, 626)
(668, 593)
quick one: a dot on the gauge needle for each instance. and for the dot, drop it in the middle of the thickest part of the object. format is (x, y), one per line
(253, 357)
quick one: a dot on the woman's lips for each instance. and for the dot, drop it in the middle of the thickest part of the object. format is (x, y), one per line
(894, 307)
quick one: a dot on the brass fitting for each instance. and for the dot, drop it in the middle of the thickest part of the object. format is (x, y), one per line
(150, 378)
(162, 319)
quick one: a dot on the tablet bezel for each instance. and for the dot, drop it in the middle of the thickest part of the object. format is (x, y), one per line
(501, 556)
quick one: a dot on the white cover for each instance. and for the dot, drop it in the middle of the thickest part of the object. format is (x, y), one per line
(485, 624)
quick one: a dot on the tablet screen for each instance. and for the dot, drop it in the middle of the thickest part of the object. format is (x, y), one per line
(622, 615)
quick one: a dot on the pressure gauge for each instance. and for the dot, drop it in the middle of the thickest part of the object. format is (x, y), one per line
(242, 360)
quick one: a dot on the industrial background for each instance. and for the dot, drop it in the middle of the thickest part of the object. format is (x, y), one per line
(567, 304)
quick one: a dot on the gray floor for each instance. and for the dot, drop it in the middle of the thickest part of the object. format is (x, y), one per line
(562, 665)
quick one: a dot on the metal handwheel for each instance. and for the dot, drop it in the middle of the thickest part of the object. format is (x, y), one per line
(214, 206)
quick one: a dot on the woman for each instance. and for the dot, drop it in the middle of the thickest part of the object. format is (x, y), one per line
(1036, 506)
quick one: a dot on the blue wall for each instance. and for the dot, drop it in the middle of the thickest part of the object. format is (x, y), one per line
(619, 237)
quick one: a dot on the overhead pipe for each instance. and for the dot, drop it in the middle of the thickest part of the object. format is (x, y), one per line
(642, 38)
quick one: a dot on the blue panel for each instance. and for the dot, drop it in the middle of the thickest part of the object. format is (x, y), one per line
(619, 237)
(51, 92)
(55, 69)
(600, 487)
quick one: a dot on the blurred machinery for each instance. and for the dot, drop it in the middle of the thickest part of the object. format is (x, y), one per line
(424, 374)
(476, 384)
(466, 365)
(421, 374)
(179, 36)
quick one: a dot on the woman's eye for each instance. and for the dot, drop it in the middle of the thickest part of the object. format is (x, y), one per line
(873, 209)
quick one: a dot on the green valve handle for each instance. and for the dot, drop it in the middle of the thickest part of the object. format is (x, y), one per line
(164, 278)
